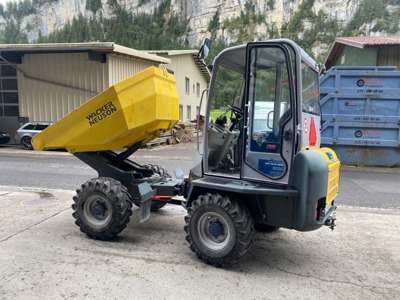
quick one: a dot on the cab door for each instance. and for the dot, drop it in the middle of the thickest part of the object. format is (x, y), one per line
(271, 118)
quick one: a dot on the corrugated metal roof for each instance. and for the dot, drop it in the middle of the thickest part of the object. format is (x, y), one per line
(364, 41)
(173, 52)
(100, 47)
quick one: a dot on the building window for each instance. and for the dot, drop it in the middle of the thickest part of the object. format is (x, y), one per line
(8, 91)
(11, 111)
(187, 85)
(7, 70)
(10, 97)
(181, 112)
(188, 112)
(197, 111)
(198, 90)
(9, 84)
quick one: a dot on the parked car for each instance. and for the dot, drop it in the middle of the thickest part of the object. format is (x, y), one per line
(4, 137)
(25, 134)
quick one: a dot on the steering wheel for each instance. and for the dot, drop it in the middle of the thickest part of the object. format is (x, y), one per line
(238, 111)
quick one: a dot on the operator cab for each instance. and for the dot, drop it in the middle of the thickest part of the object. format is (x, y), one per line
(263, 105)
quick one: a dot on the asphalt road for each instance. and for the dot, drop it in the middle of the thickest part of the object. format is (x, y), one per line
(359, 187)
(61, 170)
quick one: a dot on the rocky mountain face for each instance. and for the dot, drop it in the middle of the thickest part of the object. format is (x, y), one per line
(269, 17)
(54, 15)
(276, 13)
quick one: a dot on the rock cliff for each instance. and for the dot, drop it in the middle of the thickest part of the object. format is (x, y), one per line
(274, 15)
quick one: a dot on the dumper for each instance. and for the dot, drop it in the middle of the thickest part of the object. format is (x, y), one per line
(260, 166)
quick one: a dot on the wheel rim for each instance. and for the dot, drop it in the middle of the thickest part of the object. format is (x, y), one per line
(97, 210)
(213, 231)
(26, 143)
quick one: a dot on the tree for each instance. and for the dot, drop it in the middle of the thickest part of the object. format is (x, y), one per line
(13, 33)
(93, 5)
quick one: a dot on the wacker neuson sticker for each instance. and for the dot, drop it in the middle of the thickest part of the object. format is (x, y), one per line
(101, 113)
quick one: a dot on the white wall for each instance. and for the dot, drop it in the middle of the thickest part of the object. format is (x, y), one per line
(184, 67)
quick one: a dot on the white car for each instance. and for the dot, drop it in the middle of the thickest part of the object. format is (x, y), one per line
(25, 134)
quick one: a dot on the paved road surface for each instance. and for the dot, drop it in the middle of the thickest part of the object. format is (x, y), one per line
(359, 187)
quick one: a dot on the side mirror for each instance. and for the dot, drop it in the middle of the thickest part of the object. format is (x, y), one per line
(204, 49)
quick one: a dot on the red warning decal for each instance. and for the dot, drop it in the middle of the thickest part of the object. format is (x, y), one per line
(313, 133)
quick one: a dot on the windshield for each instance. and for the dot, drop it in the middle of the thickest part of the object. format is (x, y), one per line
(227, 90)
(225, 114)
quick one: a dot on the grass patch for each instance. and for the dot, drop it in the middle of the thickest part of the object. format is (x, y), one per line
(214, 114)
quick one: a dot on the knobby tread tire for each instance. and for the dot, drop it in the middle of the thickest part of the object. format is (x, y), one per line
(243, 229)
(119, 202)
(158, 170)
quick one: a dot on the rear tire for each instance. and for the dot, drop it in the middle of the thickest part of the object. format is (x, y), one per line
(26, 143)
(220, 231)
(102, 208)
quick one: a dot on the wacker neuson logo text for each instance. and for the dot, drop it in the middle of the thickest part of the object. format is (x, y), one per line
(101, 113)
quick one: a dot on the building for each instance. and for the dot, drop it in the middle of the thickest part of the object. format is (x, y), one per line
(365, 51)
(192, 78)
(44, 82)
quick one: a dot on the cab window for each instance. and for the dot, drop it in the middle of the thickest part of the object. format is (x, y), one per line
(270, 96)
(310, 90)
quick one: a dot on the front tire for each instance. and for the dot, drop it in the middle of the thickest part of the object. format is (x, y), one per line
(102, 208)
(220, 231)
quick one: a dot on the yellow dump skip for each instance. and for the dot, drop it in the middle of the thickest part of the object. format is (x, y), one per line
(135, 109)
